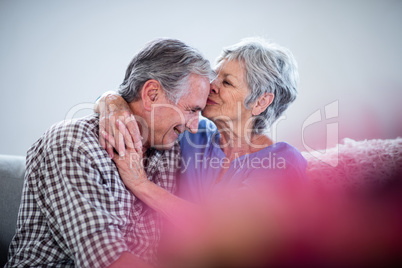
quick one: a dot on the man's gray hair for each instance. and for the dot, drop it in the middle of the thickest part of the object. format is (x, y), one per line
(269, 68)
(168, 61)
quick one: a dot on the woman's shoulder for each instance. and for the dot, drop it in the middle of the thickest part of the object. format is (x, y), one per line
(290, 153)
(278, 161)
(282, 157)
(285, 148)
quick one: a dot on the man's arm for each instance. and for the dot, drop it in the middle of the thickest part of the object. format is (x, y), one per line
(84, 217)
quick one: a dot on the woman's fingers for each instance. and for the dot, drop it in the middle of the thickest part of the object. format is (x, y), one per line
(104, 126)
(106, 146)
(120, 145)
(134, 131)
(112, 107)
(130, 133)
(109, 150)
(114, 132)
(125, 134)
(119, 140)
(111, 130)
(109, 140)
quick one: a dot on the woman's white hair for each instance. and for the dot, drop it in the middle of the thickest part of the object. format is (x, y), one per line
(269, 68)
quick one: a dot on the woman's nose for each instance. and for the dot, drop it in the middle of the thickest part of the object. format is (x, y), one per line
(214, 87)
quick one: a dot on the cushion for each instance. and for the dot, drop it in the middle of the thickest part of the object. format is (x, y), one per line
(12, 170)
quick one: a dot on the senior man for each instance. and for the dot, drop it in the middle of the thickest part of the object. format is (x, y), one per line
(75, 210)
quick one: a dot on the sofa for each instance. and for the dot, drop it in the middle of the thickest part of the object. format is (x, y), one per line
(11, 181)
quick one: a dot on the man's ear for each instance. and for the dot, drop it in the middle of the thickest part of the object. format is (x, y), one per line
(262, 103)
(150, 93)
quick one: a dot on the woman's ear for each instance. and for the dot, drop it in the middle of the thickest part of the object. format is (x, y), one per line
(262, 103)
(150, 93)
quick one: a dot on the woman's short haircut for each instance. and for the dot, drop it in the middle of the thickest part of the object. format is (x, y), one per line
(168, 61)
(269, 68)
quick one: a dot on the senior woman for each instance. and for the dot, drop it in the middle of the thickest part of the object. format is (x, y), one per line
(256, 81)
(255, 84)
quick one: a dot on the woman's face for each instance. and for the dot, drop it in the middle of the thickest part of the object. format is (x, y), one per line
(228, 92)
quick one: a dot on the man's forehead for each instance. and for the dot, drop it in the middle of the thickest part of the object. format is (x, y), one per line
(194, 99)
(197, 95)
(197, 79)
(199, 85)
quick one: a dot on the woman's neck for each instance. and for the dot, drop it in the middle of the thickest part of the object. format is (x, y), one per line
(237, 140)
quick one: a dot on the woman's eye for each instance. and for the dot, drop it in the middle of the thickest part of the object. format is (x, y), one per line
(226, 83)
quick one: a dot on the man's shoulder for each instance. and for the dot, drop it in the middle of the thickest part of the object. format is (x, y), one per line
(67, 134)
(73, 130)
(67, 142)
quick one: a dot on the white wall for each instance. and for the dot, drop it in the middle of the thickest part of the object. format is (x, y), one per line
(58, 54)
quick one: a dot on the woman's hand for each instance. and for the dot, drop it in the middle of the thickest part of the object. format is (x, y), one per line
(111, 107)
(130, 165)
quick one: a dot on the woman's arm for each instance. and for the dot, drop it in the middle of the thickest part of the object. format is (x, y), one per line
(178, 211)
(224, 228)
(125, 138)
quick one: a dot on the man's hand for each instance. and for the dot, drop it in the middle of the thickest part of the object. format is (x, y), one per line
(111, 107)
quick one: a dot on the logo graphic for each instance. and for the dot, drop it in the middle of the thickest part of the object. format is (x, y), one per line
(331, 111)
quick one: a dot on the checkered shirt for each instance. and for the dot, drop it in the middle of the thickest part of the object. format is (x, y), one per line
(76, 211)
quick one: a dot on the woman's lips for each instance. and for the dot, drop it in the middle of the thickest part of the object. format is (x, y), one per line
(209, 101)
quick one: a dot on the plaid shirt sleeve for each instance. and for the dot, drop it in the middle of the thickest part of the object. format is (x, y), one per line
(76, 211)
(81, 213)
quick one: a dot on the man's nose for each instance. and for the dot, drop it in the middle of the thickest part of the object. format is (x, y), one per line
(192, 123)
